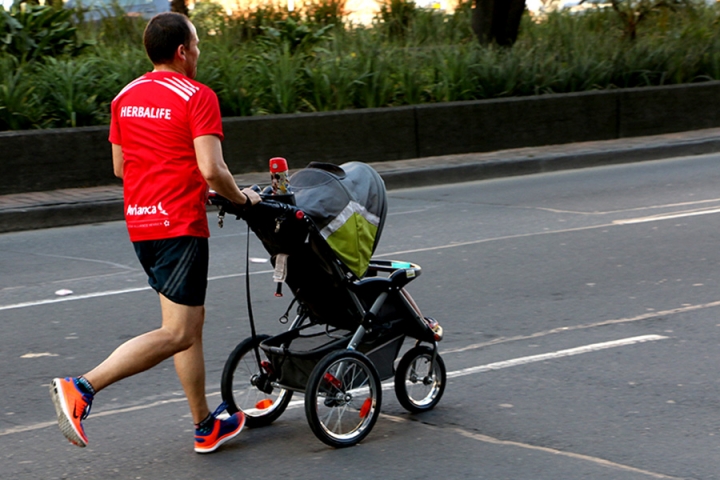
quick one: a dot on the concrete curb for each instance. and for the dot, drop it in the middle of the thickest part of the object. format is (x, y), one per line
(103, 204)
(60, 215)
(526, 161)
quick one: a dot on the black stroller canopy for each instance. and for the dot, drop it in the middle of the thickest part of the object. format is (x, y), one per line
(348, 203)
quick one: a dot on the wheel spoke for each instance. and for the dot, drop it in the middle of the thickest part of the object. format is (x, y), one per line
(352, 381)
(338, 423)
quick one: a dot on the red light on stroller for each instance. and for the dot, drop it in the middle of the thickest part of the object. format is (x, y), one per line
(264, 404)
(365, 409)
(267, 366)
(299, 214)
(332, 380)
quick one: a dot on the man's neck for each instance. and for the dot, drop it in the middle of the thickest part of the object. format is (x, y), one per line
(168, 67)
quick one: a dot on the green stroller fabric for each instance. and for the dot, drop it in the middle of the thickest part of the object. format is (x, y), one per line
(348, 205)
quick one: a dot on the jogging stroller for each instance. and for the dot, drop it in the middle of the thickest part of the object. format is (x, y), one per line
(353, 312)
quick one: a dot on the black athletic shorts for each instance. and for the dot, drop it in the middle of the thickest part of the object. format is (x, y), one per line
(176, 267)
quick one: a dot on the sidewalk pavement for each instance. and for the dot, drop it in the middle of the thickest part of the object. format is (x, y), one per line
(29, 211)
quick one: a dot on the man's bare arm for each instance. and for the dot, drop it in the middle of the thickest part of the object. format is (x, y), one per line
(213, 168)
(117, 156)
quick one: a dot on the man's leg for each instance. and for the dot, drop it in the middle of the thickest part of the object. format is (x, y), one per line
(210, 432)
(181, 269)
(181, 331)
(190, 363)
(180, 334)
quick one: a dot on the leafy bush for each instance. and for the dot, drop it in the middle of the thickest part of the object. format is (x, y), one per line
(249, 24)
(116, 28)
(326, 12)
(269, 60)
(69, 88)
(209, 18)
(30, 31)
(293, 35)
(19, 106)
(395, 17)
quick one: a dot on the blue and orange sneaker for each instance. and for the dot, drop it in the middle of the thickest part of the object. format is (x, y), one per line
(72, 407)
(222, 431)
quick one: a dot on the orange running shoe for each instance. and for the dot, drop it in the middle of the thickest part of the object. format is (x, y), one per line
(223, 430)
(72, 407)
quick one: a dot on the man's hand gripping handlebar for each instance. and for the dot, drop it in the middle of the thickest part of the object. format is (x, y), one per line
(264, 206)
(227, 206)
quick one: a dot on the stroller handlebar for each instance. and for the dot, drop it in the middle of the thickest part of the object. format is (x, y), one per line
(269, 205)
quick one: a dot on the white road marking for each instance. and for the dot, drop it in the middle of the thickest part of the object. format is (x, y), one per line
(387, 385)
(39, 355)
(669, 216)
(107, 293)
(388, 254)
(625, 210)
(406, 212)
(644, 316)
(531, 359)
(552, 355)
(492, 239)
(85, 296)
(106, 413)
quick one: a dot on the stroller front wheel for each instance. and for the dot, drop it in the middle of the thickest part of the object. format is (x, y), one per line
(343, 398)
(260, 402)
(419, 387)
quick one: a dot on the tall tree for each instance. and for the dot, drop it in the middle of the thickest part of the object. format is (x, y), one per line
(632, 12)
(497, 21)
(179, 6)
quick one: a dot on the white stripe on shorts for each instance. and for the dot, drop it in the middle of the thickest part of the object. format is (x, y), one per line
(181, 269)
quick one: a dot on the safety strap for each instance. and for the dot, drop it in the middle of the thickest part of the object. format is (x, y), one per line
(256, 347)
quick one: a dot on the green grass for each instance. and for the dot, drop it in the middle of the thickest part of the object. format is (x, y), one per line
(265, 62)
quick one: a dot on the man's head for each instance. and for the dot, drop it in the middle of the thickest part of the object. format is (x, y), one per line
(171, 40)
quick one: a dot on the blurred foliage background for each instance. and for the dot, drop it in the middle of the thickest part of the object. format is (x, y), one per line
(59, 70)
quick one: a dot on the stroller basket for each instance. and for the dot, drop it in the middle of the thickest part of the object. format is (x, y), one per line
(295, 353)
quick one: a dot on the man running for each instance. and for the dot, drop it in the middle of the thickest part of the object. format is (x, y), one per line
(165, 133)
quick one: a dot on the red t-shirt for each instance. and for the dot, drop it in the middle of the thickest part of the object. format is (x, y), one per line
(155, 119)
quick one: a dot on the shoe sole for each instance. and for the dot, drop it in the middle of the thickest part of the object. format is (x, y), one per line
(222, 440)
(66, 426)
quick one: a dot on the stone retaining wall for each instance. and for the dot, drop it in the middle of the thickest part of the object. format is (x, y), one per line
(42, 160)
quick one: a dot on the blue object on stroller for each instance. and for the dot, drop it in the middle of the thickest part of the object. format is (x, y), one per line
(353, 311)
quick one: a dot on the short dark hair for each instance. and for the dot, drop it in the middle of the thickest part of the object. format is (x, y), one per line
(163, 34)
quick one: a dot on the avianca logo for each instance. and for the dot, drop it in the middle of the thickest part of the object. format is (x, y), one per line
(135, 210)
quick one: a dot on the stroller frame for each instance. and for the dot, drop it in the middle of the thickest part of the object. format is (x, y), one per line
(343, 341)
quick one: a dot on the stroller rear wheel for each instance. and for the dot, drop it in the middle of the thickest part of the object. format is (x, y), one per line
(418, 388)
(241, 383)
(343, 398)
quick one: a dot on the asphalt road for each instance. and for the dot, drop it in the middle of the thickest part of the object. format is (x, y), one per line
(581, 312)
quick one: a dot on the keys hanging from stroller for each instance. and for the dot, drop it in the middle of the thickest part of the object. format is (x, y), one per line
(280, 273)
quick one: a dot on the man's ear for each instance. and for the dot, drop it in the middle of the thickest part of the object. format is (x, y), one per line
(180, 52)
